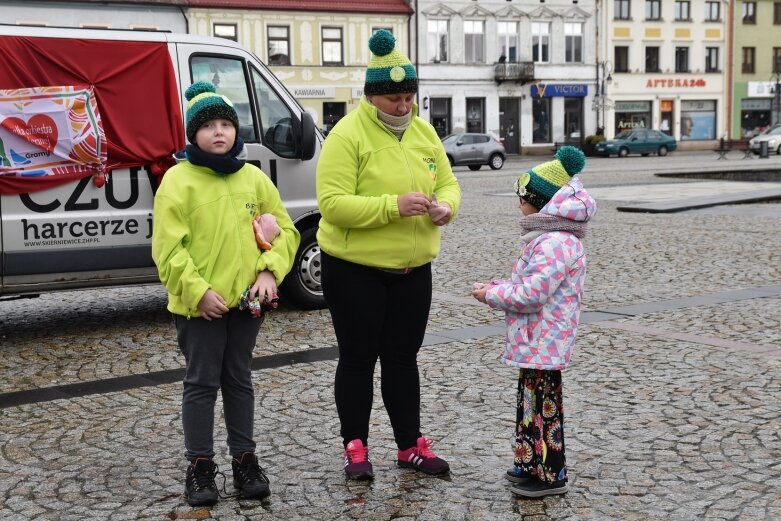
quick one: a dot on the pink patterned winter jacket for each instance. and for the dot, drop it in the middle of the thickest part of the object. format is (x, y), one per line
(542, 299)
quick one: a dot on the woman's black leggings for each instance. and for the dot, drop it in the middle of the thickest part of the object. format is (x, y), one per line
(377, 314)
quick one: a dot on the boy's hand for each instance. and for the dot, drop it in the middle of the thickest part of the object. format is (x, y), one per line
(212, 305)
(265, 287)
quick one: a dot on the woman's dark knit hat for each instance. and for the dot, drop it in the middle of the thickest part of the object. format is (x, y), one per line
(389, 71)
(205, 104)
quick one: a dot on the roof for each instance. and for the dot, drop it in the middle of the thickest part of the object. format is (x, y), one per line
(343, 6)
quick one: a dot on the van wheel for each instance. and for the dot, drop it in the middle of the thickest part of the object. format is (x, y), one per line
(623, 152)
(450, 159)
(496, 162)
(303, 284)
(662, 151)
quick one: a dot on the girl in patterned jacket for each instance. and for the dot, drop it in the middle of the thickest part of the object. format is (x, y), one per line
(542, 302)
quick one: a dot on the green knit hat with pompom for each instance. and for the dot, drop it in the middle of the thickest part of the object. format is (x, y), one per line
(389, 71)
(540, 184)
(204, 104)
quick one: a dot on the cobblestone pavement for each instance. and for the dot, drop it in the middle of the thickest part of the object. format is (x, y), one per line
(673, 409)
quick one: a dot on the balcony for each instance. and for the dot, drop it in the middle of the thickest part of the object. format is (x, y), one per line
(522, 72)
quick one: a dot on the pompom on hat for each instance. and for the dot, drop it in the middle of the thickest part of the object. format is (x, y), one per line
(204, 104)
(389, 71)
(540, 184)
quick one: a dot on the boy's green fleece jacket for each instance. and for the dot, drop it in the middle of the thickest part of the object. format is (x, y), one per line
(362, 170)
(203, 236)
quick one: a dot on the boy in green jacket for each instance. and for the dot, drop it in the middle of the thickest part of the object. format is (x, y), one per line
(205, 250)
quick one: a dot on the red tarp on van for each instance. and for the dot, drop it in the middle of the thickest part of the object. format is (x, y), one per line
(135, 87)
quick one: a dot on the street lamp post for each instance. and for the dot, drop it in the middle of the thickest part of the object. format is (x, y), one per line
(604, 78)
(777, 93)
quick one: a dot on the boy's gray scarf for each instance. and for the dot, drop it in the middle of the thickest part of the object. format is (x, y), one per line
(536, 224)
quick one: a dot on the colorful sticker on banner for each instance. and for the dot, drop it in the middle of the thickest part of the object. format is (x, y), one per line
(50, 131)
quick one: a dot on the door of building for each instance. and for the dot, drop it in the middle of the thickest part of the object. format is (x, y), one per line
(509, 131)
(573, 120)
(332, 113)
(666, 116)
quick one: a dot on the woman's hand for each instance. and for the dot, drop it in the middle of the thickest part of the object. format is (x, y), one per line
(440, 213)
(212, 305)
(413, 203)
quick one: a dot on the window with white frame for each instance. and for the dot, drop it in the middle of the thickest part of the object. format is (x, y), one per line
(681, 59)
(712, 59)
(375, 29)
(573, 42)
(508, 40)
(332, 46)
(227, 31)
(541, 42)
(278, 45)
(436, 40)
(474, 36)
(712, 11)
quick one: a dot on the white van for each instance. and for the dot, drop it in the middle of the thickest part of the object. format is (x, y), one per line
(95, 230)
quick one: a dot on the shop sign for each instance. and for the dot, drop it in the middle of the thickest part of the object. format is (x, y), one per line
(671, 83)
(698, 106)
(549, 90)
(761, 89)
(633, 106)
(755, 104)
(314, 92)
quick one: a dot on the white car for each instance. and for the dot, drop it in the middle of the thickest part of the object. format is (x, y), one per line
(772, 136)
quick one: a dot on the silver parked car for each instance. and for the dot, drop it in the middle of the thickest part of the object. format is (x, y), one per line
(773, 137)
(474, 150)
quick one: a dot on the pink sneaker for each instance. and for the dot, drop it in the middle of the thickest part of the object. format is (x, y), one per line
(421, 458)
(356, 461)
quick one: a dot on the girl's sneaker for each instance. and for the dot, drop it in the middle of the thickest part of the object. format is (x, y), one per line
(516, 475)
(356, 461)
(535, 488)
(421, 458)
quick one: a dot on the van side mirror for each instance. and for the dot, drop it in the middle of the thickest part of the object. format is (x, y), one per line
(459, 142)
(307, 140)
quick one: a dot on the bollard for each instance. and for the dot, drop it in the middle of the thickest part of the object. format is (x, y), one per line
(763, 150)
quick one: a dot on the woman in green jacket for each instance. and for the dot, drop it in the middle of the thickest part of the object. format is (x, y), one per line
(384, 187)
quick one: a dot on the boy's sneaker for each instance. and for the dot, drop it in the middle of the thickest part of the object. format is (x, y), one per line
(536, 488)
(516, 475)
(356, 461)
(248, 477)
(199, 486)
(421, 458)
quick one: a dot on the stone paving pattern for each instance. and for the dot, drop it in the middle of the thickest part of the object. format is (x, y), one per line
(671, 415)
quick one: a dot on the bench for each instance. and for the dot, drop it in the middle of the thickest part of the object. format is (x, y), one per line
(728, 145)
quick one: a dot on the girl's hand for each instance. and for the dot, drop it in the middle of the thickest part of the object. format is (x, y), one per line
(479, 291)
(265, 287)
(212, 305)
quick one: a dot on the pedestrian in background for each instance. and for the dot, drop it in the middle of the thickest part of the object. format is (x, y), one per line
(205, 249)
(384, 187)
(542, 301)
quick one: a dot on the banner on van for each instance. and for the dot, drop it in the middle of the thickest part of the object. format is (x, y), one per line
(51, 131)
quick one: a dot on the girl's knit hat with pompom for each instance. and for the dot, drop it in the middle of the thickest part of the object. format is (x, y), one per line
(203, 104)
(540, 184)
(389, 71)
